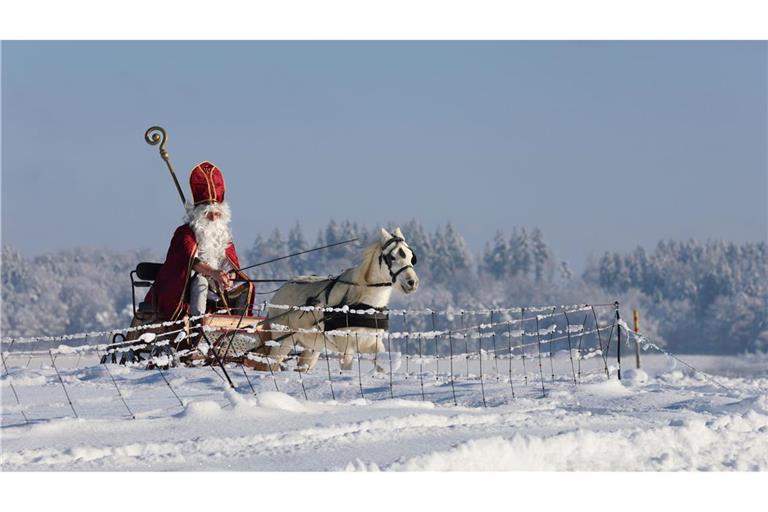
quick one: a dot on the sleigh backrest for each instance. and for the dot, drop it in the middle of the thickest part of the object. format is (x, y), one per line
(147, 271)
(143, 277)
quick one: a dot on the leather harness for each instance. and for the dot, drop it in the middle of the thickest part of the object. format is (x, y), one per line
(340, 320)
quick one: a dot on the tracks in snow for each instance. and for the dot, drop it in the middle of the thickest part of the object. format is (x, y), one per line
(306, 442)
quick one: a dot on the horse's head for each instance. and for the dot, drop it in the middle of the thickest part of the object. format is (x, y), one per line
(398, 260)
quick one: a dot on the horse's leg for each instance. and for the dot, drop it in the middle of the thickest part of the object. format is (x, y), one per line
(287, 339)
(278, 353)
(380, 362)
(345, 360)
(346, 353)
(308, 359)
(370, 343)
(311, 354)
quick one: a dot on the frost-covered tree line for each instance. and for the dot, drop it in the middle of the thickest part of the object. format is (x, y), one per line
(692, 296)
(66, 291)
(707, 297)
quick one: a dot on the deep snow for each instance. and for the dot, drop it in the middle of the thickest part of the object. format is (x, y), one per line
(664, 417)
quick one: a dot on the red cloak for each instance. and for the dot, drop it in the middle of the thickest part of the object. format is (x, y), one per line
(169, 291)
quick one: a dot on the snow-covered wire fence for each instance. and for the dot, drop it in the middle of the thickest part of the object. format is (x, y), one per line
(450, 356)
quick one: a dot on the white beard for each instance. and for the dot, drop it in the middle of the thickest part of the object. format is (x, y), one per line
(213, 237)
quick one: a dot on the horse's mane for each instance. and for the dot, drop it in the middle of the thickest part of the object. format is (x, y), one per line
(370, 256)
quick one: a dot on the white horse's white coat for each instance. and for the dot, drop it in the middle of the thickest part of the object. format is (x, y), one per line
(372, 269)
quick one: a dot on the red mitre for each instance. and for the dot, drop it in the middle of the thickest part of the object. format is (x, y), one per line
(207, 184)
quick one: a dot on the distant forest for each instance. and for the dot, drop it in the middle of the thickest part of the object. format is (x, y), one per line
(693, 297)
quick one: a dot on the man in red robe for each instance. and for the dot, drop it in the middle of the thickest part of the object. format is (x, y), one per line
(202, 263)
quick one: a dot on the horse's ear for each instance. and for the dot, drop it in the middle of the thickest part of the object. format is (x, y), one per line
(384, 235)
(399, 233)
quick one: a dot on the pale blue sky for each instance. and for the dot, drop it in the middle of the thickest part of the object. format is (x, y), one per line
(603, 145)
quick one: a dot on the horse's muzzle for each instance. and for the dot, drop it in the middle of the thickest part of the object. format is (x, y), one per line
(410, 285)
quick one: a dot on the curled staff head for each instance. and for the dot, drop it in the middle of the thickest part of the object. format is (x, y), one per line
(156, 135)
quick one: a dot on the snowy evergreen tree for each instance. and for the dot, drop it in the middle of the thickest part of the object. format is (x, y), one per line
(421, 244)
(316, 262)
(277, 247)
(496, 258)
(453, 259)
(258, 252)
(333, 234)
(520, 249)
(297, 243)
(540, 255)
(349, 252)
(566, 273)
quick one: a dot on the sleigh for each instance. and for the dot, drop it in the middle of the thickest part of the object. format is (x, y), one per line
(220, 336)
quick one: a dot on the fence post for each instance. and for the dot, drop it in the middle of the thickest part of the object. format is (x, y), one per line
(618, 339)
(10, 381)
(603, 351)
(538, 348)
(636, 319)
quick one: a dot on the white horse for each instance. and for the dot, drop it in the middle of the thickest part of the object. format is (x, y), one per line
(386, 264)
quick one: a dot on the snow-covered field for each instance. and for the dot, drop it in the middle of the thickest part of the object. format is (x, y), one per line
(664, 418)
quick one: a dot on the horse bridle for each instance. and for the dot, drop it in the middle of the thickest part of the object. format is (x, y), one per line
(388, 259)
